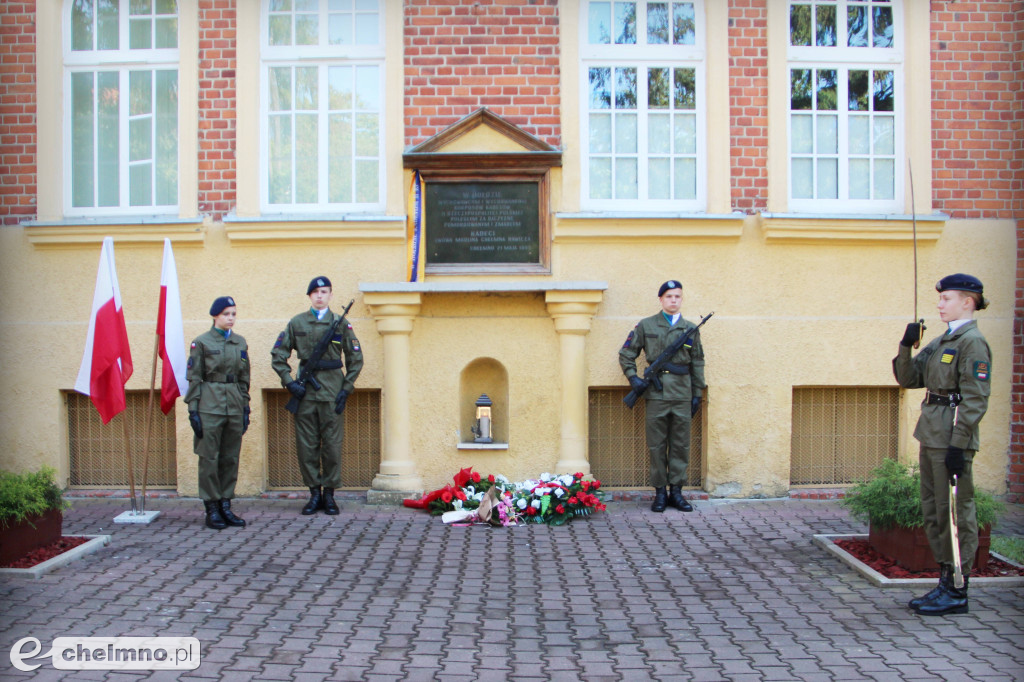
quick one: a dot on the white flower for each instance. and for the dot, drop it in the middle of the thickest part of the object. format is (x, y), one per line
(546, 477)
(501, 479)
(521, 503)
(457, 503)
(566, 480)
(470, 490)
(559, 493)
(479, 496)
(535, 504)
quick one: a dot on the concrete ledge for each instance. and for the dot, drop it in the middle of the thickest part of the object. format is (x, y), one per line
(827, 542)
(391, 497)
(39, 570)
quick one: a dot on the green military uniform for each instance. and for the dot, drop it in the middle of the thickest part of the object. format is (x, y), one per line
(668, 410)
(319, 431)
(218, 389)
(954, 364)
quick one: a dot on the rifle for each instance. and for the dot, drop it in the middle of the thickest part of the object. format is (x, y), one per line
(654, 368)
(306, 375)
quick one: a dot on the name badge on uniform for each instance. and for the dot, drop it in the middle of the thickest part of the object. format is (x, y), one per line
(948, 356)
(981, 370)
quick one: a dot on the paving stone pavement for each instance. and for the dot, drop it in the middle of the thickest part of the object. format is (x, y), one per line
(734, 591)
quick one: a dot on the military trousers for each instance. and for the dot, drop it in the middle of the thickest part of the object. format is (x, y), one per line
(218, 455)
(668, 441)
(319, 433)
(935, 507)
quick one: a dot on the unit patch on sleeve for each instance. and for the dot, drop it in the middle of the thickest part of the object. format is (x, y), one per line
(629, 339)
(981, 370)
(948, 356)
(280, 338)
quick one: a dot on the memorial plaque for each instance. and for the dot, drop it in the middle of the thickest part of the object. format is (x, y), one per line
(482, 223)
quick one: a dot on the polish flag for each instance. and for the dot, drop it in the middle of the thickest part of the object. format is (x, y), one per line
(171, 334)
(107, 359)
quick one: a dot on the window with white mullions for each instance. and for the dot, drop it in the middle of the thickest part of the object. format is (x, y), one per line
(121, 77)
(845, 106)
(323, 108)
(643, 118)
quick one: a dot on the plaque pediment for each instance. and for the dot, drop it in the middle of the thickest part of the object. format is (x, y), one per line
(482, 140)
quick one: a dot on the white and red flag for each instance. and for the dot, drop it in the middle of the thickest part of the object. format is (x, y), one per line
(171, 334)
(107, 359)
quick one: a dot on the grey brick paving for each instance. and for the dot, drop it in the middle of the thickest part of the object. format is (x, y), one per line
(734, 591)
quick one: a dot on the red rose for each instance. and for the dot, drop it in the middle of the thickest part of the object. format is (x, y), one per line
(578, 475)
(460, 494)
(560, 509)
(585, 485)
(490, 478)
(573, 500)
(446, 497)
(476, 477)
(530, 511)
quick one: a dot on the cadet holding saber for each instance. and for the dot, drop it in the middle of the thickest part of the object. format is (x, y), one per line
(956, 370)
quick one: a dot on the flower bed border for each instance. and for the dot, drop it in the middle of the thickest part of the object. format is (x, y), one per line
(827, 542)
(95, 543)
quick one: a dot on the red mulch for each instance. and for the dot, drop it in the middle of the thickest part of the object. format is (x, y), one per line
(46, 552)
(862, 550)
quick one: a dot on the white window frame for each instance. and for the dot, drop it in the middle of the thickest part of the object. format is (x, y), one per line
(123, 61)
(844, 59)
(322, 56)
(643, 57)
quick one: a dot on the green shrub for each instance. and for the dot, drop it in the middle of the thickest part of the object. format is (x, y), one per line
(1011, 547)
(26, 495)
(891, 497)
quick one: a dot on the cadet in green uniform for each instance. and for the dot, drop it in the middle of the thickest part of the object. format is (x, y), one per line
(218, 410)
(956, 368)
(319, 428)
(670, 410)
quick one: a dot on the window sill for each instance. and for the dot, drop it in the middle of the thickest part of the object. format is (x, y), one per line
(134, 230)
(630, 226)
(829, 228)
(351, 228)
(483, 446)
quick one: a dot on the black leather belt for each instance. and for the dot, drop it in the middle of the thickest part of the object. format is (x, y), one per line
(227, 379)
(944, 399)
(323, 364)
(669, 368)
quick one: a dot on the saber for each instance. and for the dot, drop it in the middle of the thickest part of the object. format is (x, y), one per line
(954, 531)
(913, 223)
(954, 534)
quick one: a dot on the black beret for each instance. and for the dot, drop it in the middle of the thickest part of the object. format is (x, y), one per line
(960, 282)
(671, 284)
(316, 283)
(220, 304)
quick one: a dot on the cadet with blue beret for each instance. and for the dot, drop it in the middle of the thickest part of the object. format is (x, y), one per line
(670, 410)
(956, 370)
(218, 410)
(319, 427)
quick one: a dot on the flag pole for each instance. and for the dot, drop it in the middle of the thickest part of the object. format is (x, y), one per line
(149, 423)
(128, 456)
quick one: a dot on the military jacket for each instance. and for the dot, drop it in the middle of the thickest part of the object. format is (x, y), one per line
(960, 362)
(218, 374)
(652, 335)
(341, 362)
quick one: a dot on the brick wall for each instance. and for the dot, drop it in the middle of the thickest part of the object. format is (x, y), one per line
(17, 112)
(461, 55)
(217, 107)
(976, 114)
(748, 103)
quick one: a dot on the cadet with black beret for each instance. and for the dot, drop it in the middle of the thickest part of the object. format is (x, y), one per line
(218, 410)
(956, 368)
(670, 410)
(319, 427)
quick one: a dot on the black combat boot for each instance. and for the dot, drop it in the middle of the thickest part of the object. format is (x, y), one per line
(676, 499)
(660, 502)
(229, 516)
(330, 506)
(945, 578)
(316, 502)
(213, 518)
(950, 599)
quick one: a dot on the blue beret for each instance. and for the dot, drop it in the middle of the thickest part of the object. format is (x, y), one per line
(220, 304)
(960, 282)
(316, 283)
(671, 284)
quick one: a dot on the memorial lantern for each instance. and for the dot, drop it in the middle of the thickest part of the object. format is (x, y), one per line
(482, 429)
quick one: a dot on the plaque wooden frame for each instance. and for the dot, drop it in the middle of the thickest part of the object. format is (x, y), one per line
(532, 164)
